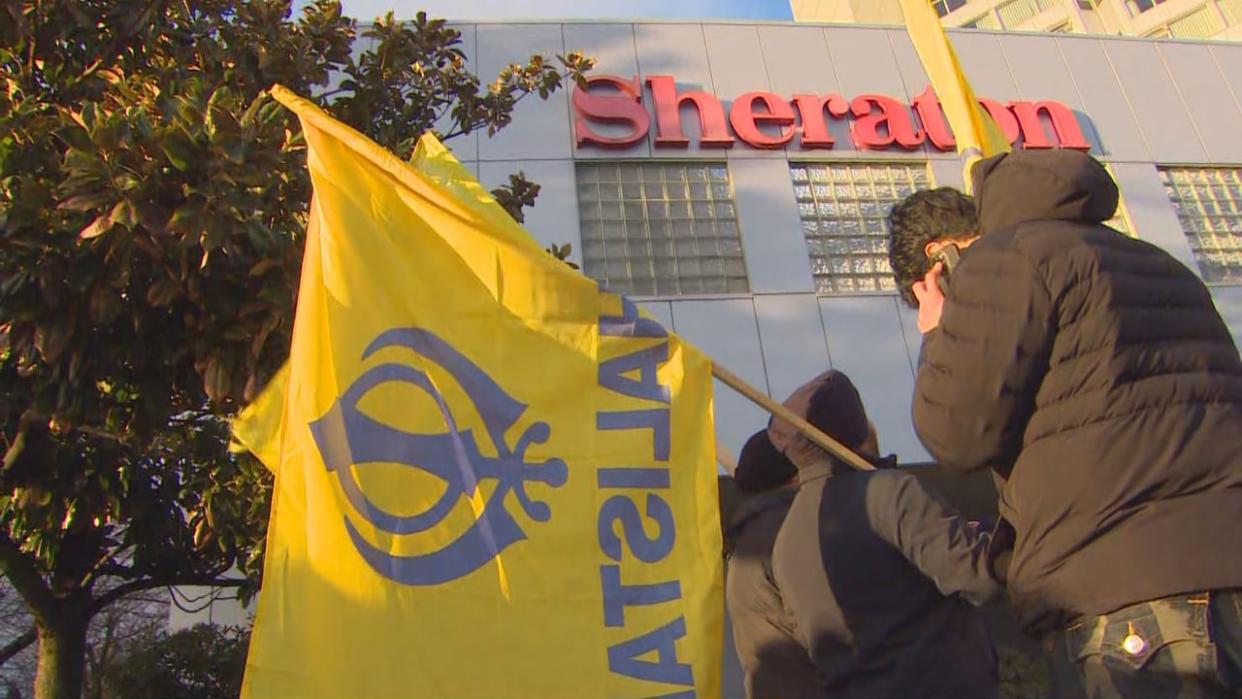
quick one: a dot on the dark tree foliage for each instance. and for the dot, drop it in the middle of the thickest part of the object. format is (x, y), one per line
(202, 662)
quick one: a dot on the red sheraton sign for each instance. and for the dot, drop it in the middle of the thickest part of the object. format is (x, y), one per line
(768, 120)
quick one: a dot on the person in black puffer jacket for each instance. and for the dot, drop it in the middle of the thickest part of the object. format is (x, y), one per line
(1092, 373)
(880, 577)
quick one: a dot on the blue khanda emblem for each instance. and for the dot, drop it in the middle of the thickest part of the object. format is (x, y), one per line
(347, 437)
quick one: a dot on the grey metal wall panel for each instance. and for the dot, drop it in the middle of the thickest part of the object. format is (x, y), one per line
(554, 217)
(612, 47)
(772, 239)
(1228, 57)
(1157, 106)
(678, 50)
(866, 341)
(736, 59)
(948, 173)
(1229, 303)
(1103, 99)
(1039, 69)
(793, 342)
(1205, 93)
(864, 61)
(985, 65)
(540, 129)
(727, 331)
(798, 62)
(914, 345)
(1151, 211)
(910, 333)
(662, 311)
(1040, 72)
(914, 78)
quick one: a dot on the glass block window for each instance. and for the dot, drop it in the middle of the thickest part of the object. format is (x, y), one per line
(1208, 202)
(844, 209)
(944, 7)
(660, 229)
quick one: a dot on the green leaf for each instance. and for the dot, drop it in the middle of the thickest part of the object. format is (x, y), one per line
(124, 214)
(102, 224)
(178, 148)
(163, 292)
(75, 137)
(87, 202)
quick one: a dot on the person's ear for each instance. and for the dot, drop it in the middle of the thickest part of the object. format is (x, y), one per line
(932, 247)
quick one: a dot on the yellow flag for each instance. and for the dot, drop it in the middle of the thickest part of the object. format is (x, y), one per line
(257, 427)
(492, 479)
(975, 131)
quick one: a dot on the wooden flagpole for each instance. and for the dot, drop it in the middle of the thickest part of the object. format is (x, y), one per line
(812, 433)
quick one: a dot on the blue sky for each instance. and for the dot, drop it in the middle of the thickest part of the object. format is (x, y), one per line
(571, 9)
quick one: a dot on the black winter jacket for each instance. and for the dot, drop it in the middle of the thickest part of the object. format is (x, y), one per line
(882, 579)
(1092, 372)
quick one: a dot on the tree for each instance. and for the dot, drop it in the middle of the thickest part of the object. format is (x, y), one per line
(110, 632)
(202, 662)
(152, 208)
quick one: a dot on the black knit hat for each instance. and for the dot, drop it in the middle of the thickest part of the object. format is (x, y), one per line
(837, 409)
(760, 467)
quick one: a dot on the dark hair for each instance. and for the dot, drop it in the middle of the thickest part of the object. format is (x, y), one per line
(919, 219)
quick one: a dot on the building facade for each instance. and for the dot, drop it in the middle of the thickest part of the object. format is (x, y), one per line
(733, 178)
(1181, 19)
(699, 175)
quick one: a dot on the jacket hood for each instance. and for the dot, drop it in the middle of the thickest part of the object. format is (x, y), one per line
(832, 404)
(1037, 185)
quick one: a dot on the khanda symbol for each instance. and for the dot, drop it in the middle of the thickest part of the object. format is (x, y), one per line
(347, 437)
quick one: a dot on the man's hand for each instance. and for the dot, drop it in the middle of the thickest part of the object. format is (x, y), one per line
(931, 299)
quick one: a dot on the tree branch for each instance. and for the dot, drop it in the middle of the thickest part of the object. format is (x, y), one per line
(17, 645)
(25, 578)
(125, 589)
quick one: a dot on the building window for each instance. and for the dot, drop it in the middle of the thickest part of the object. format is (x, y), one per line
(665, 229)
(1232, 10)
(1203, 23)
(988, 21)
(844, 209)
(1208, 201)
(1137, 7)
(944, 7)
(1015, 13)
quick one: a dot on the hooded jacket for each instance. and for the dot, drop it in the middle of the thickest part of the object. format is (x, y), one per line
(878, 575)
(776, 665)
(1092, 373)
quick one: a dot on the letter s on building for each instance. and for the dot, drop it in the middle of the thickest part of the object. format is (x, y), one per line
(623, 109)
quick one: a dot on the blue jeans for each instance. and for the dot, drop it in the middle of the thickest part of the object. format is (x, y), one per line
(1181, 646)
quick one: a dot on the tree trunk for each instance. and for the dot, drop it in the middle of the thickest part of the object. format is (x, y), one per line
(62, 655)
